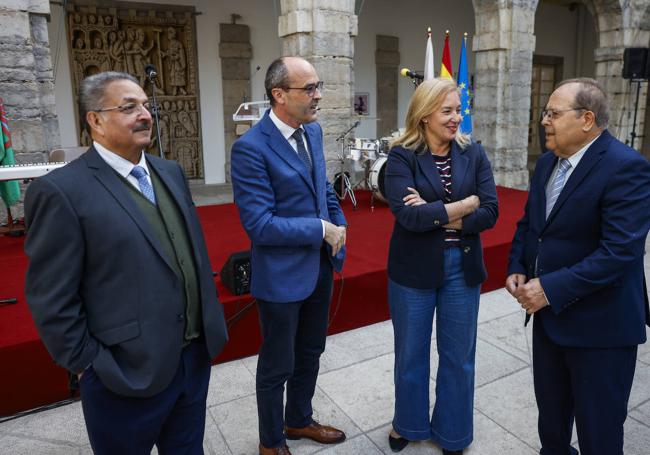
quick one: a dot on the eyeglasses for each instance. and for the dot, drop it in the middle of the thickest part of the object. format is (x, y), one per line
(128, 109)
(310, 89)
(554, 114)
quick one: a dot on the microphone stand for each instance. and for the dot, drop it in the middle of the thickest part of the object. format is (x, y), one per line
(151, 77)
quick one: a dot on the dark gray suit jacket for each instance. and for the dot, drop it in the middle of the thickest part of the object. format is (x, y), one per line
(99, 285)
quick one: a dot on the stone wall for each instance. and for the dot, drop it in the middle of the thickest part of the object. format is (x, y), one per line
(323, 32)
(27, 81)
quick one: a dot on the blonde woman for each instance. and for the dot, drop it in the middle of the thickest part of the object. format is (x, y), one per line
(441, 191)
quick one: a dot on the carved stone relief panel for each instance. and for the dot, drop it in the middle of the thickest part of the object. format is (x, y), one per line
(113, 36)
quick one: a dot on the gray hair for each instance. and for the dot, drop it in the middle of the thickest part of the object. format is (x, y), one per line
(277, 76)
(590, 97)
(93, 89)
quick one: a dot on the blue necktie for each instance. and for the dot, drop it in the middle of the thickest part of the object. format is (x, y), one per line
(302, 151)
(145, 187)
(558, 184)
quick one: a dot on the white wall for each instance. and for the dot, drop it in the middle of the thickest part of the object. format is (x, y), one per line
(555, 27)
(569, 34)
(407, 20)
(259, 15)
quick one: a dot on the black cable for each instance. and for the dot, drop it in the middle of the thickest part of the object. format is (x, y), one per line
(47, 407)
(232, 320)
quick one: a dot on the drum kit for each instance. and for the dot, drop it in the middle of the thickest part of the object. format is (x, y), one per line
(363, 162)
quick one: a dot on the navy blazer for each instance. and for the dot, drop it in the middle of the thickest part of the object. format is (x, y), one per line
(281, 207)
(589, 252)
(416, 255)
(99, 285)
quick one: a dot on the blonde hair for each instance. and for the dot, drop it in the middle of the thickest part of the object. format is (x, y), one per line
(426, 99)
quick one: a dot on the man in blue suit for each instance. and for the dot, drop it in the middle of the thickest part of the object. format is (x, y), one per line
(119, 281)
(576, 263)
(297, 231)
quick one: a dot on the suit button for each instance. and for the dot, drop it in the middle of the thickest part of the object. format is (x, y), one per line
(181, 317)
(467, 249)
(539, 240)
(436, 223)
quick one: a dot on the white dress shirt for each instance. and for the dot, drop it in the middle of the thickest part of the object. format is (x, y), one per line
(287, 132)
(123, 166)
(573, 161)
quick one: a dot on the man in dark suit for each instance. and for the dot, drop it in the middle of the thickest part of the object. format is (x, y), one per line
(119, 282)
(297, 231)
(577, 263)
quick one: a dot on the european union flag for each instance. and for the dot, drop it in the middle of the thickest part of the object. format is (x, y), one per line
(463, 85)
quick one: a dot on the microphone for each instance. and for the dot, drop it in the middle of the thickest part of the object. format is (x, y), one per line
(150, 71)
(413, 75)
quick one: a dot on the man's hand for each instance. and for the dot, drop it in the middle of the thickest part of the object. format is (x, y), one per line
(334, 236)
(531, 296)
(513, 282)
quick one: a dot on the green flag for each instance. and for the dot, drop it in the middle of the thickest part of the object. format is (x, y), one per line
(9, 190)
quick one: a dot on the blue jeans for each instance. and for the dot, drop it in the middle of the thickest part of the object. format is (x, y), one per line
(412, 310)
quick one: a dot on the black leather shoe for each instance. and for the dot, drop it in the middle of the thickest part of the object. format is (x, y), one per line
(452, 452)
(397, 444)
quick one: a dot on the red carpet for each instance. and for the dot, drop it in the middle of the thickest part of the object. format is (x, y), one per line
(30, 378)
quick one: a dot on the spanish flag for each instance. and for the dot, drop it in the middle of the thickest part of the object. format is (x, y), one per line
(445, 69)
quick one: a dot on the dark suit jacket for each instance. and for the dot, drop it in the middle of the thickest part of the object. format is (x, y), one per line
(416, 255)
(280, 207)
(100, 287)
(590, 250)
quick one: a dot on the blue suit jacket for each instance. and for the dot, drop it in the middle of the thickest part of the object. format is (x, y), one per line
(590, 250)
(416, 255)
(100, 286)
(280, 207)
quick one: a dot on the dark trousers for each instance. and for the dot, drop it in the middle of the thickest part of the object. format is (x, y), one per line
(591, 385)
(293, 335)
(173, 420)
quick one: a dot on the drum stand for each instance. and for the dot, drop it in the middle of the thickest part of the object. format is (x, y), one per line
(346, 185)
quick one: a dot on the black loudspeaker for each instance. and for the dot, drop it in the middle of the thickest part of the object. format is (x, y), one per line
(236, 273)
(635, 63)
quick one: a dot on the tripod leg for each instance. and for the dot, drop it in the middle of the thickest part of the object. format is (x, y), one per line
(350, 191)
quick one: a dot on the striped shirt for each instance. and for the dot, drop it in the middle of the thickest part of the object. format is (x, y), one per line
(443, 164)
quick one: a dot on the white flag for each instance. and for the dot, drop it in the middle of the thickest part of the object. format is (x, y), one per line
(428, 58)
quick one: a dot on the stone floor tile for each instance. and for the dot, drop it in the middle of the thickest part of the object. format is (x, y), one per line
(380, 437)
(64, 424)
(251, 364)
(496, 304)
(229, 381)
(493, 363)
(237, 422)
(490, 438)
(641, 385)
(354, 346)
(213, 441)
(644, 349)
(507, 333)
(637, 438)
(510, 403)
(352, 446)
(16, 445)
(641, 412)
(364, 391)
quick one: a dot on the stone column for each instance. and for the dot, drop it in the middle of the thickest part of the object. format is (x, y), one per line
(323, 32)
(618, 29)
(236, 52)
(27, 81)
(504, 45)
(387, 62)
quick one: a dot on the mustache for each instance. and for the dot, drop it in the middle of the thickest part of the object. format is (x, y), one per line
(142, 127)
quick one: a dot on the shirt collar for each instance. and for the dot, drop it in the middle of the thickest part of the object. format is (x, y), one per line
(576, 157)
(121, 165)
(285, 129)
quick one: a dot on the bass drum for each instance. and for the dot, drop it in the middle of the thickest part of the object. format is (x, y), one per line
(376, 178)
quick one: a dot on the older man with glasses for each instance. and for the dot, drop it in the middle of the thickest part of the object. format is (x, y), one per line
(119, 282)
(297, 230)
(576, 263)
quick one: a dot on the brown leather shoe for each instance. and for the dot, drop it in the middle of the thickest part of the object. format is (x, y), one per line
(316, 432)
(274, 450)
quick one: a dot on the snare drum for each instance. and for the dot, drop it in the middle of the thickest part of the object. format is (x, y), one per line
(376, 178)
